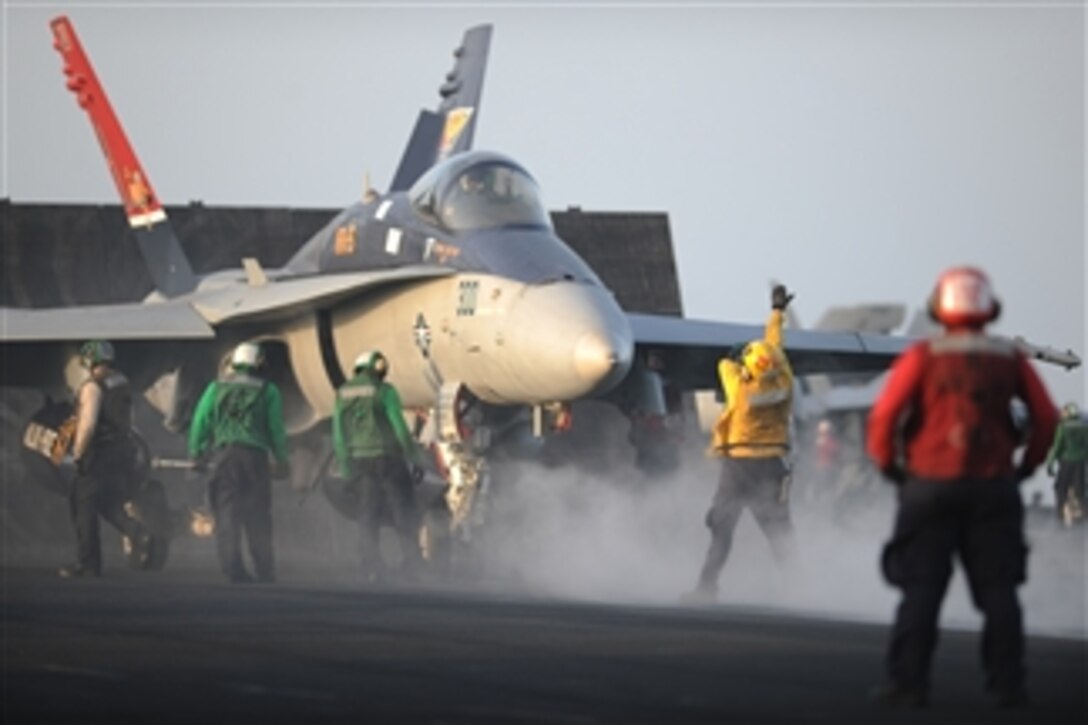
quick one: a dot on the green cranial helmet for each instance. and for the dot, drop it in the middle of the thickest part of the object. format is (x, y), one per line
(95, 352)
(373, 362)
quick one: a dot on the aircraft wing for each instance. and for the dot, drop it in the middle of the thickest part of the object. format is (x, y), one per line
(36, 343)
(133, 321)
(194, 318)
(692, 348)
(287, 297)
(1045, 353)
(922, 326)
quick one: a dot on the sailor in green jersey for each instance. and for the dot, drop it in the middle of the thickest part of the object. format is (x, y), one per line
(1067, 458)
(240, 419)
(379, 458)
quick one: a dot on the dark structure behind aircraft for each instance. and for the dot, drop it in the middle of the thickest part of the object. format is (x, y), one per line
(48, 249)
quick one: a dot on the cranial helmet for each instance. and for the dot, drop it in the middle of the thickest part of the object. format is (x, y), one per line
(373, 362)
(963, 297)
(760, 358)
(1070, 410)
(246, 355)
(95, 352)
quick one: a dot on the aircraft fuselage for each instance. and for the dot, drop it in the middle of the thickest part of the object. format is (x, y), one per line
(520, 319)
(506, 341)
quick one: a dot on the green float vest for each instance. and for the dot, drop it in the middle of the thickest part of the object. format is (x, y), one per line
(365, 421)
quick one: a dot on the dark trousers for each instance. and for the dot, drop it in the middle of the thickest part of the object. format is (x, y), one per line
(1069, 481)
(982, 521)
(384, 487)
(760, 485)
(241, 497)
(102, 490)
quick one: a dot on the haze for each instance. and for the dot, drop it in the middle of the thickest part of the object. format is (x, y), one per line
(851, 150)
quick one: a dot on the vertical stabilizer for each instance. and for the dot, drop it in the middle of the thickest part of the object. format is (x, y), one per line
(170, 269)
(449, 130)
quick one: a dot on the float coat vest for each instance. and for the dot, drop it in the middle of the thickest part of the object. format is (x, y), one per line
(365, 427)
(1070, 443)
(755, 422)
(115, 413)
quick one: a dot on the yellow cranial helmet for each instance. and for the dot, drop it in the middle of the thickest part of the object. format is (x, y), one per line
(760, 358)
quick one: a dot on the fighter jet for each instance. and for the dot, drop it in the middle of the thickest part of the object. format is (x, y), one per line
(492, 324)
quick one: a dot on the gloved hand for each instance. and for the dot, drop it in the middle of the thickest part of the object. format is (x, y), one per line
(780, 297)
(894, 473)
(1052, 469)
(417, 474)
(281, 470)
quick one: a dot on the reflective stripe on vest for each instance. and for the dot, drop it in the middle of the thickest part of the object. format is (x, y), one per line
(951, 344)
(771, 397)
(365, 422)
(357, 391)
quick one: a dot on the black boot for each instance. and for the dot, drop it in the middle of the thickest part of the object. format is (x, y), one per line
(77, 570)
(898, 696)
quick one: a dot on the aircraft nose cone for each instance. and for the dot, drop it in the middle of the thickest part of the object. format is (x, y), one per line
(595, 357)
(567, 340)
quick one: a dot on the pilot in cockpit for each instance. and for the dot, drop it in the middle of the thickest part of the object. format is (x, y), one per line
(474, 181)
(474, 193)
(482, 196)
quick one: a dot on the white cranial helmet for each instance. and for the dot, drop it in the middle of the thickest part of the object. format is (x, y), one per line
(373, 362)
(246, 355)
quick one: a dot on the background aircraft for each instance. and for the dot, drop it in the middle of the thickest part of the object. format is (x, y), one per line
(491, 322)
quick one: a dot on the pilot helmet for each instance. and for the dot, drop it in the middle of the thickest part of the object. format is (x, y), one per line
(246, 356)
(963, 297)
(95, 352)
(372, 362)
(475, 180)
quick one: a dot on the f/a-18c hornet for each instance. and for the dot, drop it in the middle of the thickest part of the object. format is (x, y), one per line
(494, 326)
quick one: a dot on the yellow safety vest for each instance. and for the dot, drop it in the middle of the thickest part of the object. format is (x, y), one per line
(756, 419)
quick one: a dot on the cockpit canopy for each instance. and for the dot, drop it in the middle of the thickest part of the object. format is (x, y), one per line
(479, 190)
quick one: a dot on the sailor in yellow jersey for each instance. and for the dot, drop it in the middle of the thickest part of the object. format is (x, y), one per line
(751, 438)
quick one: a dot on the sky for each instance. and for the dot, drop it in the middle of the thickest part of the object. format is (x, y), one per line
(851, 150)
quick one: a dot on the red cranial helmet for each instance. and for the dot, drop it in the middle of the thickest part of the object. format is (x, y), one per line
(963, 297)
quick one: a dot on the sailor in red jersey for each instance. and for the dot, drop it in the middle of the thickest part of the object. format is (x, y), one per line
(943, 430)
